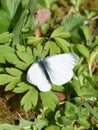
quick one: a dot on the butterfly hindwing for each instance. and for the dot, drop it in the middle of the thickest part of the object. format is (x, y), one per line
(36, 76)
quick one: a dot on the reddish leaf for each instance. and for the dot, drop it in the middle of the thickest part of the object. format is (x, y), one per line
(42, 16)
(61, 96)
(38, 32)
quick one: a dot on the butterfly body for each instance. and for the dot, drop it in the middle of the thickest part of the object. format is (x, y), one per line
(57, 69)
(44, 67)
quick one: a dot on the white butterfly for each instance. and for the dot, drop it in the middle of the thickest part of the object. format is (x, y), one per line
(57, 70)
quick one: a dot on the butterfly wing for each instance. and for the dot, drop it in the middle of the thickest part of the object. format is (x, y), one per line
(36, 76)
(60, 68)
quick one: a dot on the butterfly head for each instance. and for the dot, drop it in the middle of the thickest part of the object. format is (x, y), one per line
(39, 59)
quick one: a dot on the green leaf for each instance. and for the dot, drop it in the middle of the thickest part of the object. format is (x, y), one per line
(18, 64)
(13, 59)
(4, 51)
(11, 79)
(91, 110)
(34, 40)
(8, 11)
(52, 48)
(39, 51)
(39, 124)
(18, 28)
(60, 32)
(30, 23)
(84, 51)
(2, 70)
(45, 28)
(72, 24)
(93, 55)
(4, 21)
(59, 89)
(61, 119)
(12, 84)
(10, 6)
(68, 128)
(49, 99)
(83, 112)
(14, 72)
(42, 3)
(8, 54)
(84, 122)
(53, 127)
(25, 124)
(63, 44)
(71, 111)
(30, 99)
(7, 126)
(5, 78)
(50, 2)
(82, 70)
(75, 2)
(5, 37)
(87, 33)
(15, 78)
(84, 87)
(25, 54)
(22, 87)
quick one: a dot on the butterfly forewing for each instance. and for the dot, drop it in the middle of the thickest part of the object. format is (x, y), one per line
(36, 76)
(60, 68)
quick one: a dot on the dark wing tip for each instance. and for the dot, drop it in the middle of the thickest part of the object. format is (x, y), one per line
(75, 57)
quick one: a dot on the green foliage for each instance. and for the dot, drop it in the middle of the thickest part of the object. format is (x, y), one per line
(93, 112)
(18, 60)
(63, 44)
(10, 7)
(76, 4)
(42, 3)
(72, 114)
(45, 28)
(52, 127)
(35, 40)
(39, 124)
(20, 47)
(24, 124)
(7, 13)
(84, 51)
(87, 34)
(30, 99)
(59, 32)
(6, 37)
(52, 48)
(72, 24)
(49, 100)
